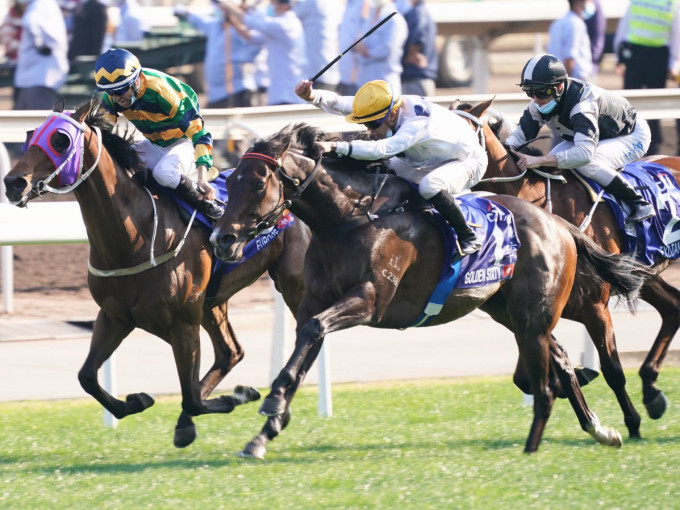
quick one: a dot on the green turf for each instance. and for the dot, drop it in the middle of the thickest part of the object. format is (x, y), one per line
(423, 444)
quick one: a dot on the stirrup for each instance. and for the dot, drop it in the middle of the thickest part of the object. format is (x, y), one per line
(210, 209)
(641, 212)
(467, 247)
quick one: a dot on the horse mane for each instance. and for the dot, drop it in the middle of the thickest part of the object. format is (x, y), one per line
(119, 147)
(304, 138)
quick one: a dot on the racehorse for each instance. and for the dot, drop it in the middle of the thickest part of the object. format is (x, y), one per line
(573, 202)
(162, 294)
(375, 257)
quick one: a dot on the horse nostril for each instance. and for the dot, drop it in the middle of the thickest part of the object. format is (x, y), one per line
(14, 187)
(226, 240)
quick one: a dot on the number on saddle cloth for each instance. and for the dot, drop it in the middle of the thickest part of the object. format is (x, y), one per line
(659, 236)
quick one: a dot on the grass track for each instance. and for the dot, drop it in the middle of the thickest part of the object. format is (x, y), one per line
(453, 443)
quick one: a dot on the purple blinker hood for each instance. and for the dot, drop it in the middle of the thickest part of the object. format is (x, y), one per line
(71, 159)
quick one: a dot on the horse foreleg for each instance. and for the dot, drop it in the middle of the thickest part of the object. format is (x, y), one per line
(106, 338)
(228, 353)
(666, 300)
(587, 418)
(598, 322)
(357, 307)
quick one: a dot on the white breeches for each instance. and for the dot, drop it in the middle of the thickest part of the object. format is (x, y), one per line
(168, 164)
(612, 154)
(453, 176)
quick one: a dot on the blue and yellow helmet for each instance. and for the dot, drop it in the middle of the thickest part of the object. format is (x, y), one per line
(116, 70)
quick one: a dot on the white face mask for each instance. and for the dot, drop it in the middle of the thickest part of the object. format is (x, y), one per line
(389, 133)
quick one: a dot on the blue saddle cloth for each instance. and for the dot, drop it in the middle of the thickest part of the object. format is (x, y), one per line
(494, 262)
(656, 237)
(254, 246)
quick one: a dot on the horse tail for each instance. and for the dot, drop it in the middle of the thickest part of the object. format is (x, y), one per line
(622, 272)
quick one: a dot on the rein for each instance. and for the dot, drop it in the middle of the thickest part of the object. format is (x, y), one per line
(41, 187)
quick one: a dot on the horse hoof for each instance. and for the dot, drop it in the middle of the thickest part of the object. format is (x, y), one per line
(138, 402)
(608, 436)
(246, 394)
(584, 375)
(185, 436)
(273, 406)
(253, 451)
(657, 406)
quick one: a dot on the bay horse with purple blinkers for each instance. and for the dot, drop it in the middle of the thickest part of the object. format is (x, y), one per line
(375, 257)
(572, 201)
(148, 269)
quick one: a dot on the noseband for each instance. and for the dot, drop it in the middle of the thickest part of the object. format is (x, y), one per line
(269, 219)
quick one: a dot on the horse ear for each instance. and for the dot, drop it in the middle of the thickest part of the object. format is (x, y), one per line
(481, 108)
(455, 104)
(59, 104)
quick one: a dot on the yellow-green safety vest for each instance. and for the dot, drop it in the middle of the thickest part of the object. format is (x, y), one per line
(650, 22)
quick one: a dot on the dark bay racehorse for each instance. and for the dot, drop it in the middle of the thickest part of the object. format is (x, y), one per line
(168, 299)
(573, 202)
(367, 264)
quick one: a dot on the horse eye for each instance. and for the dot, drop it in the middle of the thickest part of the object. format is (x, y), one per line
(60, 142)
(259, 186)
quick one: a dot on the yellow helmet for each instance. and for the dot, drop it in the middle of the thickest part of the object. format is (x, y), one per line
(373, 101)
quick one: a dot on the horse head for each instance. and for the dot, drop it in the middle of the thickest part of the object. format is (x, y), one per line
(265, 181)
(52, 156)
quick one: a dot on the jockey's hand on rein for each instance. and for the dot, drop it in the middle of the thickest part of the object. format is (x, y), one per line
(328, 147)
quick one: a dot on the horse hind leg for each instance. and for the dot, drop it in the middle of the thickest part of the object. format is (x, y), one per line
(588, 419)
(599, 325)
(666, 300)
(228, 353)
(106, 338)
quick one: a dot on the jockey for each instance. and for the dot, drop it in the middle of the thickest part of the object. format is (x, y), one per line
(601, 131)
(177, 146)
(425, 143)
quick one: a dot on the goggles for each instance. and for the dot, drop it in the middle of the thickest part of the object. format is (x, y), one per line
(541, 92)
(120, 90)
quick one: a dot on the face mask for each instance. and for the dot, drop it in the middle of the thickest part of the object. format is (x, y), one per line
(546, 108)
(389, 133)
(589, 11)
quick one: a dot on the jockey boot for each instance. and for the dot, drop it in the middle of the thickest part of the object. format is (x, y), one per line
(640, 209)
(188, 190)
(447, 206)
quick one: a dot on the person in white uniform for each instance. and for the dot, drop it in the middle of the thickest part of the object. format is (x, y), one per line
(600, 131)
(425, 143)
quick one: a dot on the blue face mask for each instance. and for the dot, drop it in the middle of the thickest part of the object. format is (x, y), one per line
(589, 11)
(546, 108)
(389, 133)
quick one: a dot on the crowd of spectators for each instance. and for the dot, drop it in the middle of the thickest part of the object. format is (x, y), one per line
(256, 51)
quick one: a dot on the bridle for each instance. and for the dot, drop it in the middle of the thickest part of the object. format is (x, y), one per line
(269, 219)
(41, 187)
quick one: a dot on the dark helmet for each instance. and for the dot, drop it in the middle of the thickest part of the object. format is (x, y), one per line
(116, 70)
(543, 69)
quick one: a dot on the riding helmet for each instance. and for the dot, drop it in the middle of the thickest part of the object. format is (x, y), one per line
(373, 101)
(543, 69)
(116, 70)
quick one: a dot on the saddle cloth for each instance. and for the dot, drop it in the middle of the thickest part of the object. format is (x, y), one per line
(656, 237)
(494, 262)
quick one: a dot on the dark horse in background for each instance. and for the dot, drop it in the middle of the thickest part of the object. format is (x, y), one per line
(368, 264)
(573, 202)
(167, 300)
